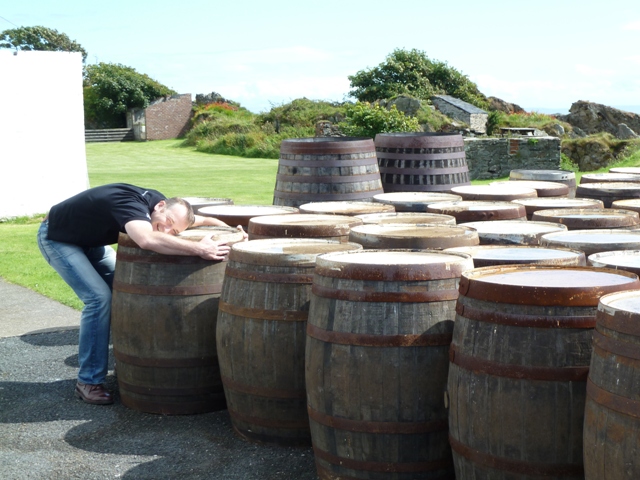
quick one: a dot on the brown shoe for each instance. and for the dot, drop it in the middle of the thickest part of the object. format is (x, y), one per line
(94, 394)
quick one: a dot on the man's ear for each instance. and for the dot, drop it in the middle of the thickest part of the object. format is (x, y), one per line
(160, 206)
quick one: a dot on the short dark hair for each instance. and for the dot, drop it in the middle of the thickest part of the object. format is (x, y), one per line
(170, 202)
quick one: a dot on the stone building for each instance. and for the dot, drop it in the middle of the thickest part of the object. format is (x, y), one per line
(165, 118)
(462, 111)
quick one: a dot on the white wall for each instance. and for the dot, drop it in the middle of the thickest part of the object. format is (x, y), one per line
(42, 151)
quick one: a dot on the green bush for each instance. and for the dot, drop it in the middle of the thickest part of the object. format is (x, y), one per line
(366, 120)
(302, 113)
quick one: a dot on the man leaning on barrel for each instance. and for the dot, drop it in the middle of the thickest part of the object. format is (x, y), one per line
(75, 239)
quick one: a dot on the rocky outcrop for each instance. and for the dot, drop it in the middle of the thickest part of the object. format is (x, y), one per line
(595, 118)
(496, 103)
(212, 97)
(404, 103)
(588, 155)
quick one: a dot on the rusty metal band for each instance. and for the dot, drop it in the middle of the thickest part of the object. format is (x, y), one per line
(620, 321)
(607, 345)
(168, 392)
(423, 171)
(618, 403)
(204, 361)
(419, 150)
(160, 259)
(329, 197)
(369, 340)
(401, 187)
(262, 391)
(424, 296)
(385, 467)
(327, 178)
(297, 278)
(263, 314)
(457, 157)
(519, 372)
(516, 466)
(517, 320)
(392, 428)
(167, 290)
(332, 163)
(268, 422)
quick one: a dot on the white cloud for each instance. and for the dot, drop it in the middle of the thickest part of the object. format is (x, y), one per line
(632, 25)
(593, 71)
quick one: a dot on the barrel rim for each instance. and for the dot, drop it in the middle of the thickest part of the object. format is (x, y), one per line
(242, 253)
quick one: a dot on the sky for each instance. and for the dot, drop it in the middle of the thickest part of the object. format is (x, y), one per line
(542, 55)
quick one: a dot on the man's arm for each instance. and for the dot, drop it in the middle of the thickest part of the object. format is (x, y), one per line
(142, 233)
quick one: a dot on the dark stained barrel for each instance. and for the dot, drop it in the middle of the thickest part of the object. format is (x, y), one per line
(419, 236)
(532, 205)
(585, 219)
(199, 202)
(378, 334)
(519, 361)
(407, 217)
(345, 208)
(469, 211)
(163, 324)
(326, 169)
(631, 204)
(509, 232)
(421, 162)
(559, 176)
(594, 241)
(609, 192)
(627, 260)
(492, 255)
(494, 193)
(414, 201)
(234, 215)
(326, 227)
(260, 336)
(612, 412)
(543, 189)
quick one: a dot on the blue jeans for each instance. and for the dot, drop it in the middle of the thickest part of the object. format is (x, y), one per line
(89, 272)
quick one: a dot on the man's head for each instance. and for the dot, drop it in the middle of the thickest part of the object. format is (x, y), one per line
(172, 216)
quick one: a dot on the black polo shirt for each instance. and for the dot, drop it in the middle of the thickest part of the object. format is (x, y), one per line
(96, 216)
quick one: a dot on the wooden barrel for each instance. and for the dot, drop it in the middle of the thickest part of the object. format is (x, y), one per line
(407, 217)
(519, 361)
(585, 219)
(235, 215)
(532, 205)
(326, 227)
(421, 162)
(492, 255)
(608, 192)
(345, 208)
(612, 411)
(559, 176)
(509, 232)
(378, 333)
(632, 204)
(260, 336)
(543, 189)
(609, 177)
(467, 211)
(163, 324)
(199, 202)
(421, 236)
(326, 169)
(593, 241)
(414, 201)
(494, 193)
(627, 260)
(631, 170)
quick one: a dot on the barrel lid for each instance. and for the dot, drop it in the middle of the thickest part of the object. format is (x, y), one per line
(551, 175)
(493, 192)
(628, 260)
(478, 210)
(414, 201)
(514, 254)
(581, 218)
(286, 251)
(303, 225)
(543, 188)
(627, 301)
(393, 265)
(435, 236)
(407, 217)
(228, 234)
(514, 232)
(202, 201)
(418, 139)
(632, 170)
(632, 204)
(326, 145)
(544, 285)
(611, 188)
(594, 241)
(609, 177)
(534, 204)
(345, 208)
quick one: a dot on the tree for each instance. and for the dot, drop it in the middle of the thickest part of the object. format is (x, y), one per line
(366, 120)
(40, 38)
(111, 89)
(411, 72)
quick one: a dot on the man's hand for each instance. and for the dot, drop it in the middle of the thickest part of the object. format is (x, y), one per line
(214, 249)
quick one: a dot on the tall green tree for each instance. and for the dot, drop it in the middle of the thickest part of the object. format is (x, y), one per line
(111, 89)
(40, 38)
(411, 72)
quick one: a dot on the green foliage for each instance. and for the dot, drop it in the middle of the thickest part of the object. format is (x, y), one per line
(302, 112)
(495, 120)
(411, 72)
(436, 120)
(112, 89)
(40, 38)
(366, 120)
(567, 164)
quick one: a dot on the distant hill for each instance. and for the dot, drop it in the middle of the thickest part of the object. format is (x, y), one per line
(565, 111)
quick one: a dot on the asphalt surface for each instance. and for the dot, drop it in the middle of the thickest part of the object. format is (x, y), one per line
(47, 433)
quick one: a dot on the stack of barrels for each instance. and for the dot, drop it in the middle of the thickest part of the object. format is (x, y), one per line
(402, 322)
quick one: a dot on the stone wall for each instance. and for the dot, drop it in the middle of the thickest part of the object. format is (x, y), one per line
(462, 111)
(168, 117)
(495, 157)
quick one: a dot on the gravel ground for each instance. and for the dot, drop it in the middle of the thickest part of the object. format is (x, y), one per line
(47, 433)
